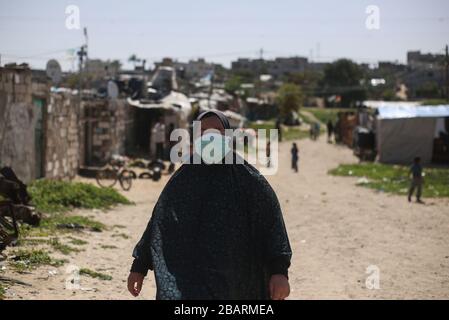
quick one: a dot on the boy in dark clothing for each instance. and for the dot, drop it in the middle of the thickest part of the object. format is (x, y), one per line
(417, 180)
(294, 151)
(330, 130)
(268, 154)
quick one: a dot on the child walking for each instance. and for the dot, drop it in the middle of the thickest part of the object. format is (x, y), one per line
(417, 180)
(295, 157)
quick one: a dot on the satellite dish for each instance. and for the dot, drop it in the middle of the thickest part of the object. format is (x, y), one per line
(112, 90)
(54, 71)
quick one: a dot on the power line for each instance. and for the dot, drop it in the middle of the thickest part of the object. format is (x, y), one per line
(40, 54)
(245, 19)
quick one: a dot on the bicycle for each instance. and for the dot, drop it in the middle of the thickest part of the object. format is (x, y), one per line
(115, 170)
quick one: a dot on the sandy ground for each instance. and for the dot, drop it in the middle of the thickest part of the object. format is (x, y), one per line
(337, 230)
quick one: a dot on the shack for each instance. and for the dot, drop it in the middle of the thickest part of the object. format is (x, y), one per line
(405, 132)
(160, 100)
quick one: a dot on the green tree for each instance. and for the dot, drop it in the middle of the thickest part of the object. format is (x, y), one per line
(233, 84)
(72, 80)
(115, 64)
(428, 90)
(343, 78)
(307, 80)
(389, 95)
(289, 98)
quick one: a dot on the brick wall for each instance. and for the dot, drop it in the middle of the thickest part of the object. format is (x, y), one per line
(110, 122)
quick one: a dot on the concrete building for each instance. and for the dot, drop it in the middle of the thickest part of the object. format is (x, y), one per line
(191, 70)
(197, 69)
(256, 66)
(278, 67)
(391, 67)
(317, 66)
(100, 69)
(429, 61)
(284, 66)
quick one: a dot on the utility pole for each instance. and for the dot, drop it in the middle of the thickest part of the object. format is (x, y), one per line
(86, 47)
(81, 54)
(447, 72)
(211, 87)
(144, 62)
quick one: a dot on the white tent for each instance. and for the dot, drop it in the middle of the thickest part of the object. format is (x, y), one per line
(405, 131)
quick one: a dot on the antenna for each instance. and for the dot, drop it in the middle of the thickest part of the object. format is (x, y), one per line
(86, 45)
(86, 38)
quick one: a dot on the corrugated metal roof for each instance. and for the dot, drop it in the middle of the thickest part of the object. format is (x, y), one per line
(403, 112)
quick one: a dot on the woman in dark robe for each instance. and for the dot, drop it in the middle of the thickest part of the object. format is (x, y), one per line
(216, 232)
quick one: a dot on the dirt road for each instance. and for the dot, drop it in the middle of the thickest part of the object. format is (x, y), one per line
(337, 231)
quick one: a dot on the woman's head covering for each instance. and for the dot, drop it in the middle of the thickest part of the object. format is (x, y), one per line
(220, 115)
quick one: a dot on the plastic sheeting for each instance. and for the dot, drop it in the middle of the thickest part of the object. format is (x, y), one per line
(407, 111)
(401, 140)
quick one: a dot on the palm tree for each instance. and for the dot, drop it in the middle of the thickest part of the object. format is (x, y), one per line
(134, 59)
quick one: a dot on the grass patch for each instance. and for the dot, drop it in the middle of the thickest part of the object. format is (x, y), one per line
(77, 242)
(395, 179)
(118, 226)
(294, 133)
(54, 243)
(49, 226)
(24, 260)
(85, 222)
(288, 133)
(326, 114)
(108, 247)
(305, 117)
(267, 125)
(95, 274)
(434, 102)
(52, 196)
(32, 242)
(63, 248)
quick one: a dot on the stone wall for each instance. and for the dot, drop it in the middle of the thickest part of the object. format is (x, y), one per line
(17, 122)
(62, 156)
(110, 124)
(49, 135)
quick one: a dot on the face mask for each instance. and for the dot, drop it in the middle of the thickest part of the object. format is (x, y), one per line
(212, 147)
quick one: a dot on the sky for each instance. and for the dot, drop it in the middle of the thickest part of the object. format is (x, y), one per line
(221, 30)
